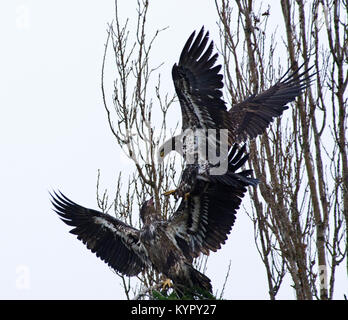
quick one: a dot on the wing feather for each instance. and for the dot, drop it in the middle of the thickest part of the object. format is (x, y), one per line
(204, 220)
(113, 241)
(198, 82)
(252, 116)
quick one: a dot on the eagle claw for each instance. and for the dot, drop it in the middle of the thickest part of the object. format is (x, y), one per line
(167, 283)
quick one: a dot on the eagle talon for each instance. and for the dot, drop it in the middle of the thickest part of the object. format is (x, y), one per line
(167, 283)
(186, 196)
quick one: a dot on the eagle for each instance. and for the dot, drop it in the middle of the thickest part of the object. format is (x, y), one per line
(198, 85)
(206, 203)
(201, 224)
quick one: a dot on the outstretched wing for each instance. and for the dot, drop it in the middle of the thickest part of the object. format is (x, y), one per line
(252, 116)
(204, 220)
(198, 85)
(113, 241)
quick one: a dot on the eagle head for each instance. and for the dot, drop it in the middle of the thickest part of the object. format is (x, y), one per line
(148, 211)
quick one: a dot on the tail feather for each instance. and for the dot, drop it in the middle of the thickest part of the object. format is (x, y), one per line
(200, 280)
(237, 157)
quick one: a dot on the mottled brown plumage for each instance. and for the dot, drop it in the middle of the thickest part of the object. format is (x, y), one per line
(199, 84)
(203, 219)
(201, 224)
(252, 117)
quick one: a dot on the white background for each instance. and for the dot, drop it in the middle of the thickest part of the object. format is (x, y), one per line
(54, 135)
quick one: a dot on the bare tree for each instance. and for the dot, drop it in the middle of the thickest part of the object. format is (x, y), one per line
(300, 207)
(137, 95)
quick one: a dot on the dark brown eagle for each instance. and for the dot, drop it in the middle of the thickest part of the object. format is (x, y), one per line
(199, 225)
(198, 85)
(208, 203)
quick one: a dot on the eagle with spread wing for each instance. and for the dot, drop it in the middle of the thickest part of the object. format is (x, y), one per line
(198, 85)
(199, 225)
(208, 203)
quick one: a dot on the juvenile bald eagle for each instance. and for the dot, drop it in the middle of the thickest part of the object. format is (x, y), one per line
(199, 225)
(198, 85)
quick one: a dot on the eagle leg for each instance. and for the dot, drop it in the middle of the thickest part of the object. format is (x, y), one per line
(168, 193)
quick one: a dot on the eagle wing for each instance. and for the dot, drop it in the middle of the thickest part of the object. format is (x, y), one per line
(252, 116)
(198, 85)
(204, 220)
(113, 241)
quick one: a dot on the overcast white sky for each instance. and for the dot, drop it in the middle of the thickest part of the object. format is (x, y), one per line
(54, 135)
